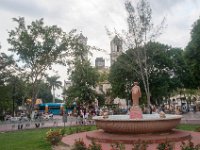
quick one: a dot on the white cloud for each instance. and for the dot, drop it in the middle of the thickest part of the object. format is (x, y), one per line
(92, 16)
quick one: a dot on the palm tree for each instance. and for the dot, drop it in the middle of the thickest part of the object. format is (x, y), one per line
(53, 84)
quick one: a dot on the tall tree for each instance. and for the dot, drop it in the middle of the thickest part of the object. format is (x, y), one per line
(164, 71)
(38, 46)
(140, 32)
(192, 53)
(7, 68)
(45, 92)
(83, 76)
(53, 84)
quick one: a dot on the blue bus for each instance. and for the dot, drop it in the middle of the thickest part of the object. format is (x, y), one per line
(54, 108)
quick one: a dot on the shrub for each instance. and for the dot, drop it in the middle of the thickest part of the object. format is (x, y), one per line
(117, 146)
(63, 131)
(197, 129)
(140, 145)
(165, 146)
(189, 146)
(94, 146)
(53, 136)
(79, 145)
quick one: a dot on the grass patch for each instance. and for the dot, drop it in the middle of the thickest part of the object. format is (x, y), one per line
(24, 140)
(188, 127)
(33, 139)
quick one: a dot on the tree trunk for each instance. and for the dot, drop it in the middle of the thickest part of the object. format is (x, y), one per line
(53, 94)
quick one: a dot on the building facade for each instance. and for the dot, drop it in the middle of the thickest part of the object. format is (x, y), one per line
(116, 49)
(99, 63)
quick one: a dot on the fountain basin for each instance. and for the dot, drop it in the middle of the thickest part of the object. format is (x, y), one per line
(150, 123)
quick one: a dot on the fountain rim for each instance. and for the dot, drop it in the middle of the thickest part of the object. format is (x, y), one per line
(168, 117)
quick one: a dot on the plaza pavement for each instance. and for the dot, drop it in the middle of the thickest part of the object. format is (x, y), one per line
(188, 118)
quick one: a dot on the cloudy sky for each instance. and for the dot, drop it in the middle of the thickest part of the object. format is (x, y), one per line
(92, 16)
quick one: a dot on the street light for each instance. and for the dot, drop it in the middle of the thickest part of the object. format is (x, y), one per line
(13, 96)
(127, 92)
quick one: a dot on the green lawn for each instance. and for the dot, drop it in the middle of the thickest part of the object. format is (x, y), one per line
(32, 139)
(188, 127)
(35, 139)
(24, 140)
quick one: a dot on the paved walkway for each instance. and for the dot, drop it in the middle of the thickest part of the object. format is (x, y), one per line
(191, 118)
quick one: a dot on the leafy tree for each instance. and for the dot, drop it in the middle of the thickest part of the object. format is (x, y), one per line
(192, 54)
(38, 47)
(13, 94)
(53, 84)
(140, 32)
(84, 79)
(103, 76)
(183, 77)
(83, 76)
(45, 92)
(7, 67)
(122, 75)
(165, 71)
(5, 99)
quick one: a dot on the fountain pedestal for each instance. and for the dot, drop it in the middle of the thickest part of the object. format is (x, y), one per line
(135, 112)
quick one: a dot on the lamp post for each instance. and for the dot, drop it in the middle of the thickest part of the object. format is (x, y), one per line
(127, 92)
(13, 96)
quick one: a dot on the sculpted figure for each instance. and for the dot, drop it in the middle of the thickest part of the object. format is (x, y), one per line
(136, 94)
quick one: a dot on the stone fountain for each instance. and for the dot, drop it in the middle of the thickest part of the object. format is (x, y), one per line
(149, 123)
(130, 128)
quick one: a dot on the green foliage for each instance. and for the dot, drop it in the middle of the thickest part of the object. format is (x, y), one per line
(103, 76)
(165, 146)
(79, 145)
(101, 99)
(63, 131)
(192, 54)
(44, 92)
(23, 140)
(32, 139)
(198, 129)
(6, 63)
(117, 146)
(140, 145)
(7, 67)
(53, 83)
(78, 129)
(140, 32)
(122, 74)
(38, 46)
(54, 136)
(166, 73)
(94, 146)
(188, 127)
(84, 79)
(189, 145)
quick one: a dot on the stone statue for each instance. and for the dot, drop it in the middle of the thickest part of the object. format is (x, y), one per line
(136, 94)
(135, 110)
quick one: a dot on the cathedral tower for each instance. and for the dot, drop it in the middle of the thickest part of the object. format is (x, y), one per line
(116, 48)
